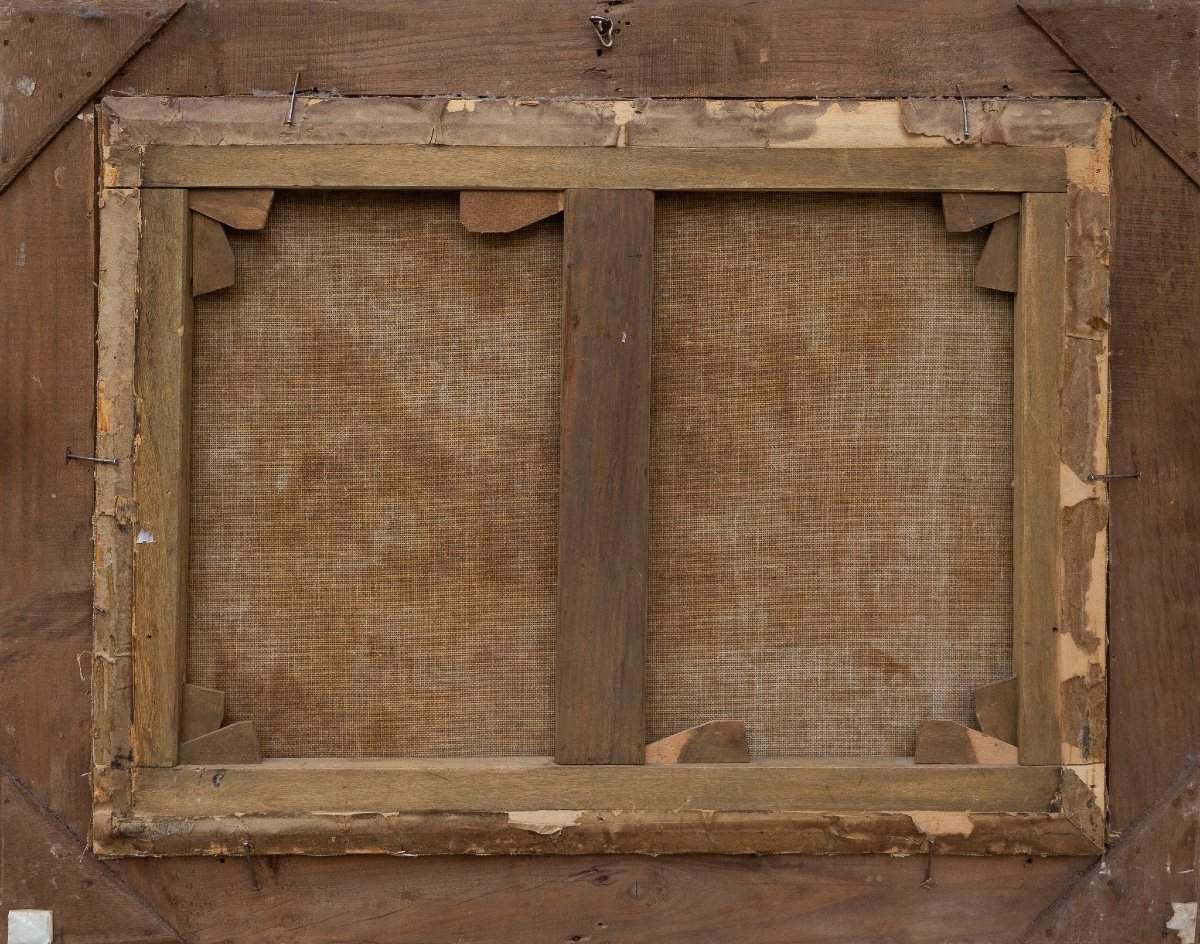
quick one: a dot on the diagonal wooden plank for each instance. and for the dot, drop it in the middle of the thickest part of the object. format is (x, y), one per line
(55, 56)
(44, 866)
(1127, 895)
(1145, 55)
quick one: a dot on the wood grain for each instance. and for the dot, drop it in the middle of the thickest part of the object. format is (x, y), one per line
(47, 867)
(997, 267)
(982, 168)
(203, 711)
(47, 402)
(714, 742)
(630, 899)
(1037, 379)
(965, 212)
(670, 48)
(604, 468)
(505, 211)
(241, 209)
(1145, 55)
(1155, 523)
(55, 58)
(213, 266)
(161, 466)
(1127, 896)
(504, 784)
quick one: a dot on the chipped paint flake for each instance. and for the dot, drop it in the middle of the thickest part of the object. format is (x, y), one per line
(26, 85)
(144, 537)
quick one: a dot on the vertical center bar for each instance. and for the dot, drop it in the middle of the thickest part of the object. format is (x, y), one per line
(603, 541)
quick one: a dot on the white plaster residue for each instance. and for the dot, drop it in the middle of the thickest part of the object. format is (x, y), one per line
(544, 822)
(27, 926)
(25, 85)
(624, 336)
(1183, 921)
(21, 253)
(144, 537)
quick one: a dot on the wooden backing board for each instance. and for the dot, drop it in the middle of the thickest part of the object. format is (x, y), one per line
(1145, 55)
(47, 402)
(604, 477)
(55, 57)
(161, 466)
(630, 898)
(1155, 607)
(983, 168)
(47, 867)
(1143, 882)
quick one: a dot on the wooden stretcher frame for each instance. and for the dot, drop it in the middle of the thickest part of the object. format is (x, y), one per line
(1053, 153)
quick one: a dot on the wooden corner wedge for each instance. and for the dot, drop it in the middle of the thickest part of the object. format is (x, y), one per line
(505, 211)
(203, 711)
(948, 742)
(997, 268)
(996, 709)
(233, 744)
(966, 212)
(213, 267)
(714, 742)
(240, 209)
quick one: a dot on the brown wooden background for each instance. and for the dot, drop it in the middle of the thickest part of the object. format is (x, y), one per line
(858, 48)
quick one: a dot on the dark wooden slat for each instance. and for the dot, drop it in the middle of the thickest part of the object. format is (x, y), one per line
(634, 899)
(47, 402)
(1154, 701)
(665, 48)
(1145, 55)
(604, 485)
